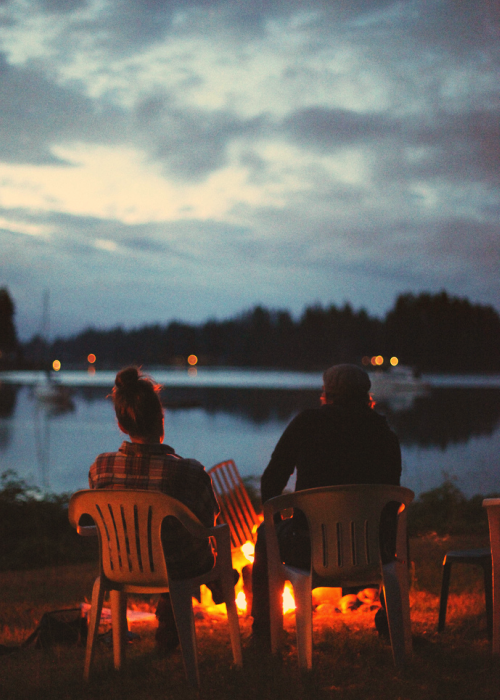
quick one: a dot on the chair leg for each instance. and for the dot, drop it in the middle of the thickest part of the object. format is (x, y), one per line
(488, 598)
(397, 602)
(443, 601)
(95, 618)
(276, 613)
(232, 616)
(496, 610)
(303, 619)
(118, 601)
(184, 620)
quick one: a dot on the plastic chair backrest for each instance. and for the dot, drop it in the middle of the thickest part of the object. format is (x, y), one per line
(129, 527)
(492, 506)
(235, 505)
(344, 527)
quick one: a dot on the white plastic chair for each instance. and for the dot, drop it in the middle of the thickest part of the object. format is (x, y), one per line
(492, 506)
(479, 557)
(344, 526)
(132, 561)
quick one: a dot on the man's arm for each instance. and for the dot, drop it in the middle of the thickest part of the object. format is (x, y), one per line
(283, 460)
(393, 460)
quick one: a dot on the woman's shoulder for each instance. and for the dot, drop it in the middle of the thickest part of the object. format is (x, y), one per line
(106, 457)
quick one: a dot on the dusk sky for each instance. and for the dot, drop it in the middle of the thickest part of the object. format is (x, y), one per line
(188, 159)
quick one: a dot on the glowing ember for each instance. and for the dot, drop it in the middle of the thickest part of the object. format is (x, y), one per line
(288, 599)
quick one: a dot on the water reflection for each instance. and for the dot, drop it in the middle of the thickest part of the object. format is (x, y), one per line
(42, 444)
(442, 417)
(453, 430)
(44, 414)
(8, 395)
(447, 417)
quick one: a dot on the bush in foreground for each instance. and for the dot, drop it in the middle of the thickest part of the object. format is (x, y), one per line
(35, 531)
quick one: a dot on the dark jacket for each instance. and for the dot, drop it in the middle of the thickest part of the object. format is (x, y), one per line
(332, 445)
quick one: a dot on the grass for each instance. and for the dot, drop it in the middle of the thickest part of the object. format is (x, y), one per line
(350, 661)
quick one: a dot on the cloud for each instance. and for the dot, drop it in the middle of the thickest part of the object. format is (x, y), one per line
(36, 114)
(330, 128)
(192, 142)
(62, 6)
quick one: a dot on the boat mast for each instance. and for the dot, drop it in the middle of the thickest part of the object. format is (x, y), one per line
(45, 331)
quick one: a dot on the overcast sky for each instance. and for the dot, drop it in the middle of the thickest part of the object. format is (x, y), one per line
(189, 159)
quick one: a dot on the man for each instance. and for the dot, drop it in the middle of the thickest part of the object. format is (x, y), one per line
(343, 442)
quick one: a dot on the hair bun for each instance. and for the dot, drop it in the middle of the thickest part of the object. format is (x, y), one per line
(127, 378)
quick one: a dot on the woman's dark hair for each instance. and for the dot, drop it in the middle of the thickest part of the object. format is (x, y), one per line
(137, 403)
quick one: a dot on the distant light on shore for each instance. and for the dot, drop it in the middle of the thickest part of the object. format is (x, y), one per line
(56, 365)
(192, 360)
(91, 358)
(394, 361)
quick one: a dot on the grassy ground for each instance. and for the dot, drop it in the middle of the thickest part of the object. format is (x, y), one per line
(350, 661)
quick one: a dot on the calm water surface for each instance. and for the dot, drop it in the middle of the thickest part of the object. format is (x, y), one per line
(453, 430)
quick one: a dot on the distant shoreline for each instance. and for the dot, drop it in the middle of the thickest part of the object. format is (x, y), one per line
(231, 377)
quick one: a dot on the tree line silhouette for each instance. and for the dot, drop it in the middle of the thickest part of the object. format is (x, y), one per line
(430, 332)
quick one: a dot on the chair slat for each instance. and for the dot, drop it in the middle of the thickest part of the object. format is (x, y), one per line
(236, 508)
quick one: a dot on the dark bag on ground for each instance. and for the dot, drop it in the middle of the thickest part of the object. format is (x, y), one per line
(59, 627)
(66, 627)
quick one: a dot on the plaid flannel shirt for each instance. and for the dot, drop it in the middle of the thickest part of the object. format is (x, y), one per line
(156, 467)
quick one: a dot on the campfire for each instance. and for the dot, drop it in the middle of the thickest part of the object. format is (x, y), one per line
(325, 600)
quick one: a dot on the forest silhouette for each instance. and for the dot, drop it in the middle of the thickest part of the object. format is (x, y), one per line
(429, 332)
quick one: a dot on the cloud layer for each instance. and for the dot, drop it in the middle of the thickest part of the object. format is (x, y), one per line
(189, 159)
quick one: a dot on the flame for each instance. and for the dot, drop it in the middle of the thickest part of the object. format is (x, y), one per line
(245, 554)
(288, 599)
(241, 601)
(248, 550)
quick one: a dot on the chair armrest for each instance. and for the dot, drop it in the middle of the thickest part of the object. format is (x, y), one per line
(271, 507)
(87, 530)
(221, 534)
(279, 503)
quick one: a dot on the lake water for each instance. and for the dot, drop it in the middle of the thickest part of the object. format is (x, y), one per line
(453, 429)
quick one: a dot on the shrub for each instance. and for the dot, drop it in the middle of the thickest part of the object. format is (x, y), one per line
(446, 511)
(35, 531)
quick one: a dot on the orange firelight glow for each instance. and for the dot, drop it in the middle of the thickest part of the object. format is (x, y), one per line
(377, 360)
(394, 361)
(56, 365)
(192, 360)
(91, 358)
(288, 599)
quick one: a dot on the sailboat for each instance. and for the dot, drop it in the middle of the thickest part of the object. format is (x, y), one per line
(49, 390)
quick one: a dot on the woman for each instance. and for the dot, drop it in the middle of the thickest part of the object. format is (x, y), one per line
(146, 463)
